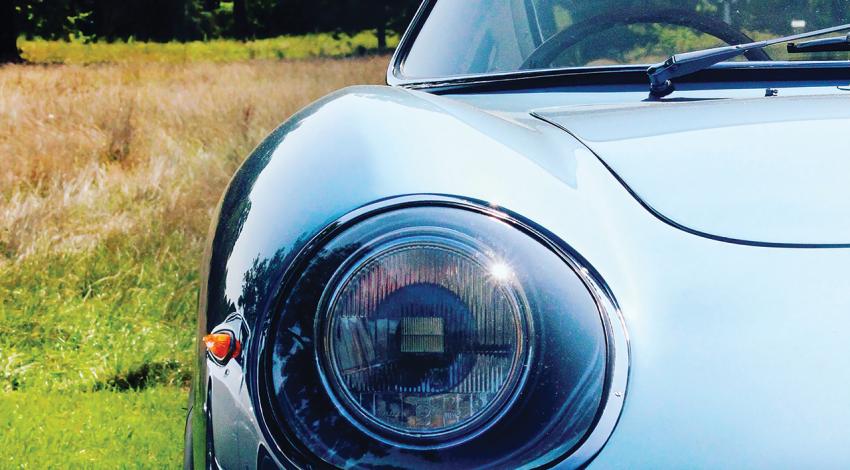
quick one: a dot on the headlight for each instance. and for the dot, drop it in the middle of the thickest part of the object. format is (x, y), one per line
(425, 334)
(440, 334)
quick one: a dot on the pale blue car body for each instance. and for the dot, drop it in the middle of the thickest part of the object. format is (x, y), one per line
(721, 227)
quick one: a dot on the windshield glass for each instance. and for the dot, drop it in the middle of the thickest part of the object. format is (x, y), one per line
(471, 37)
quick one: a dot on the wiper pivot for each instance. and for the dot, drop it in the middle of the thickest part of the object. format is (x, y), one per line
(661, 75)
(678, 65)
(833, 44)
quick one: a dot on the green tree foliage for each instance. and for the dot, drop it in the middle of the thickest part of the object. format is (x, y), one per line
(8, 36)
(380, 15)
(158, 20)
(166, 20)
(268, 18)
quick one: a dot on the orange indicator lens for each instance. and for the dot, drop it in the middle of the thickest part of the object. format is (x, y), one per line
(219, 345)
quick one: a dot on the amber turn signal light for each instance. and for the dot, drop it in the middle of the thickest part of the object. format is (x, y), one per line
(222, 345)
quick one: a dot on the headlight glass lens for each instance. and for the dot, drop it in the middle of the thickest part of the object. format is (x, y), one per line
(426, 334)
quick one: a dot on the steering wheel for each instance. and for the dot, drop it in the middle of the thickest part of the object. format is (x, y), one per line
(551, 48)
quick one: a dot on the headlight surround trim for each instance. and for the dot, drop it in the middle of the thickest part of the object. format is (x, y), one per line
(617, 369)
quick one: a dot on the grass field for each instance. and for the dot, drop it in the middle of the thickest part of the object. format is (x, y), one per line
(110, 172)
(218, 50)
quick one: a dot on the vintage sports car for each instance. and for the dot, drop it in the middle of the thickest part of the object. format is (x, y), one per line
(602, 233)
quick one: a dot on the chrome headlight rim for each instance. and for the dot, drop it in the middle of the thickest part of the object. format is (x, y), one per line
(401, 239)
(616, 339)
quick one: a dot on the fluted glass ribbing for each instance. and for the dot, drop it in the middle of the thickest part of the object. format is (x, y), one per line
(425, 338)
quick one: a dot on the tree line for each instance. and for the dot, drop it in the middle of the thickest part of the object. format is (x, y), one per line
(185, 20)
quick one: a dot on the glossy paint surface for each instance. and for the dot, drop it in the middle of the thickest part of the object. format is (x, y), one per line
(739, 353)
(769, 169)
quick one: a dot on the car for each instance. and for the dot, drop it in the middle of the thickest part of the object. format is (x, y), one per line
(573, 234)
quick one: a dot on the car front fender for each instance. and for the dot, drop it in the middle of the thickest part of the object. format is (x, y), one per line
(367, 144)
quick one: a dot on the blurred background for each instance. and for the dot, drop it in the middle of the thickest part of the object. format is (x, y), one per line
(121, 122)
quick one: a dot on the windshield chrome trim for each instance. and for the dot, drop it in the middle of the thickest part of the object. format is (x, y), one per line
(394, 75)
(396, 78)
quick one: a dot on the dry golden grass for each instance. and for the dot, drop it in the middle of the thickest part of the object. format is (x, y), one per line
(108, 177)
(92, 151)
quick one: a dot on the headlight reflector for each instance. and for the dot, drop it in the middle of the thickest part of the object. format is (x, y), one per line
(426, 334)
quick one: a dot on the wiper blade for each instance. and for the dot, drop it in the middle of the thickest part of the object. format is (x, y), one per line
(678, 65)
(833, 44)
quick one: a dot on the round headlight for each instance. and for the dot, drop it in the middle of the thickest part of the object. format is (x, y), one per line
(425, 334)
(439, 333)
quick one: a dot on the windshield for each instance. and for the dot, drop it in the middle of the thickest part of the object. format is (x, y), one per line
(472, 37)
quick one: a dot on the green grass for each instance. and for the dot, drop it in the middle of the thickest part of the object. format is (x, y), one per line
(92, 430)
(96, 353)
(116, 316)
(219, 50)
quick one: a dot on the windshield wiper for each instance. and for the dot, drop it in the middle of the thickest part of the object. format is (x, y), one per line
(833, 44)
(678, 65)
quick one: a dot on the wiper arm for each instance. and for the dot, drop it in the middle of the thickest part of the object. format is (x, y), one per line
(833, 44)
(678, 65)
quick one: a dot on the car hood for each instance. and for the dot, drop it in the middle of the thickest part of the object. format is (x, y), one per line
(771, 171)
